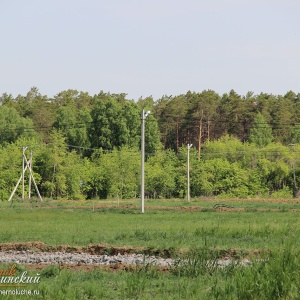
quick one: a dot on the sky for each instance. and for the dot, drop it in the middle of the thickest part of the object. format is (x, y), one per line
(149, 47)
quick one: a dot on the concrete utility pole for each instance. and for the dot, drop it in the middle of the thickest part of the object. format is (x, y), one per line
(144, 116)
(188, 171)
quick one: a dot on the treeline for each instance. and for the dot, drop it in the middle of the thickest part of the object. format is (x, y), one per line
(88, 147)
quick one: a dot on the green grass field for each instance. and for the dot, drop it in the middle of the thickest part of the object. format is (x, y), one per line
(193, 232)
(159, 228)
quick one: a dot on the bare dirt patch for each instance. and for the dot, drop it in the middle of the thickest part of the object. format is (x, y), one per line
(89, 249)
(39, 247)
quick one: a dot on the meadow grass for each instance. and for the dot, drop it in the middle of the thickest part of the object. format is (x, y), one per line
(156, 204)
(275, 277)
(195, 237)
(172, 229)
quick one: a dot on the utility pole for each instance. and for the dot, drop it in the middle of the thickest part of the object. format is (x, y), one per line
(23, 172)
(144, 116)
(188, 171)
(29, 183)
(24, 168)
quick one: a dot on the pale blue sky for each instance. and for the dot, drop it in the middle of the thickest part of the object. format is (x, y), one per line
(149, 47)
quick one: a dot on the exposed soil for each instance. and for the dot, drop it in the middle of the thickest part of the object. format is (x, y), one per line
(37, 246)
(89, 249)
(102, 249)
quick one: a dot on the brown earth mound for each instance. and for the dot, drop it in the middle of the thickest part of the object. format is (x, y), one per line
(37, 246)
(89, 249)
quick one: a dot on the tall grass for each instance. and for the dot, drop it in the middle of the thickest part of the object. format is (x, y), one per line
(196, 276)
(154, 229)
(275, 277)
(194, 238)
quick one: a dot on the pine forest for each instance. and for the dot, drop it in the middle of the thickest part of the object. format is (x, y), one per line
(88, 147)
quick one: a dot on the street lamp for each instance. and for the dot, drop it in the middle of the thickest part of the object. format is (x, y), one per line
(144, 116)
(189, 146)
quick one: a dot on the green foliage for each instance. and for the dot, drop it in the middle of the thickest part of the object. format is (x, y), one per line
(51, 271)
(13, 126)
(261, 133)
(232, 113)
(10, 169)
(105, 132)
(114, 174)
(109, 125)
(227, 147)
(152, 136)
(228, 168)
(195, 263)
(74, 125)
(274, 277)
(220, 177)
(131, 113)
(160, 174)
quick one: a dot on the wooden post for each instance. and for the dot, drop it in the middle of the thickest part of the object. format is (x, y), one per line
(29, 184)
(24, 168)
(23, 173)
(31, 174)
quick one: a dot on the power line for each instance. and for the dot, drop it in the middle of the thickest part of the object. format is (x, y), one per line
(167, 151)
(190, 123)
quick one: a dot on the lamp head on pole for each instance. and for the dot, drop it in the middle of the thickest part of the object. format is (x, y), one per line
(147, 113)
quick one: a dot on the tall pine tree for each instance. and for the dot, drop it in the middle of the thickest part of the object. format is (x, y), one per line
(261, 133)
